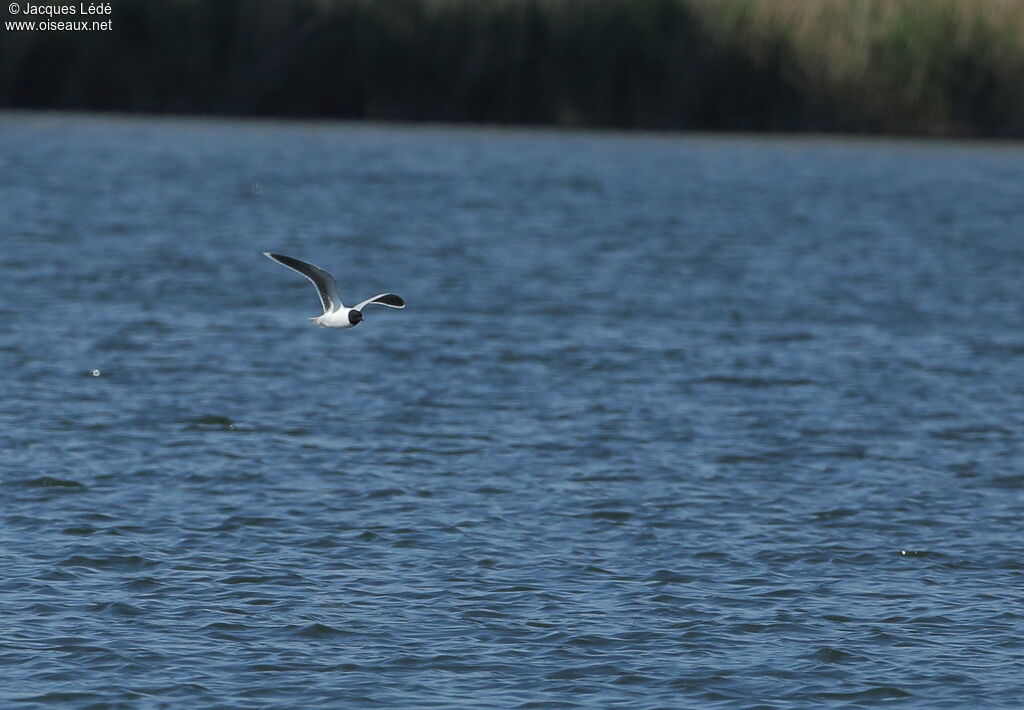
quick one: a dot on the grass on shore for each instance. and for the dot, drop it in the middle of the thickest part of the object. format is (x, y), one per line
(934, 67)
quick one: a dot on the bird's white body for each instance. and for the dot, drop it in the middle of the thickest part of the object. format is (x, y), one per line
(335, 314)
(334, 319)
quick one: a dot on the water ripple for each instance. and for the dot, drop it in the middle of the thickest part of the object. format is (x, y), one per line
(669, 421)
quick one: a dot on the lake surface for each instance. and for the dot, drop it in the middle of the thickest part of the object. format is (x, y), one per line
(669, 421)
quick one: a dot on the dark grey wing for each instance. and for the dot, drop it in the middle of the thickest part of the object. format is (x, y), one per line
(384, 299)
(323, 281)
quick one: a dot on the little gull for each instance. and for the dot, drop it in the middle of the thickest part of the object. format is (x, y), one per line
(335, 314)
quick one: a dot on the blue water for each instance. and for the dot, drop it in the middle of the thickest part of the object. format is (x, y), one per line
(673, 422)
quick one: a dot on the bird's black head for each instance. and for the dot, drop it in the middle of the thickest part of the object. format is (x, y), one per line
(354, 317)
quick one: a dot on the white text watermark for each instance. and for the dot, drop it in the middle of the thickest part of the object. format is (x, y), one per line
(34, 17)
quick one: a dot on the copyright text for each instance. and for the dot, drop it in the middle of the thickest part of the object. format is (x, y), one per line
(90, 14)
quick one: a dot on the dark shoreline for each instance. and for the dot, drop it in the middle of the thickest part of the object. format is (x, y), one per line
(974, 142)
(944, 69)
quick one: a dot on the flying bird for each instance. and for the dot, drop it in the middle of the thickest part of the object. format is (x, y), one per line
(335, 314)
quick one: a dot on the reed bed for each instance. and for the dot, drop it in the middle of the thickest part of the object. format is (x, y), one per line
(932, 67)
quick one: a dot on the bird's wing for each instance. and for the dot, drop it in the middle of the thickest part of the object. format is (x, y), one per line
(323, 281)
(384, 299)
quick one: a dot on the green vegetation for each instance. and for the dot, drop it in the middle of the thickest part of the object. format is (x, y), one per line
(936, 67)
